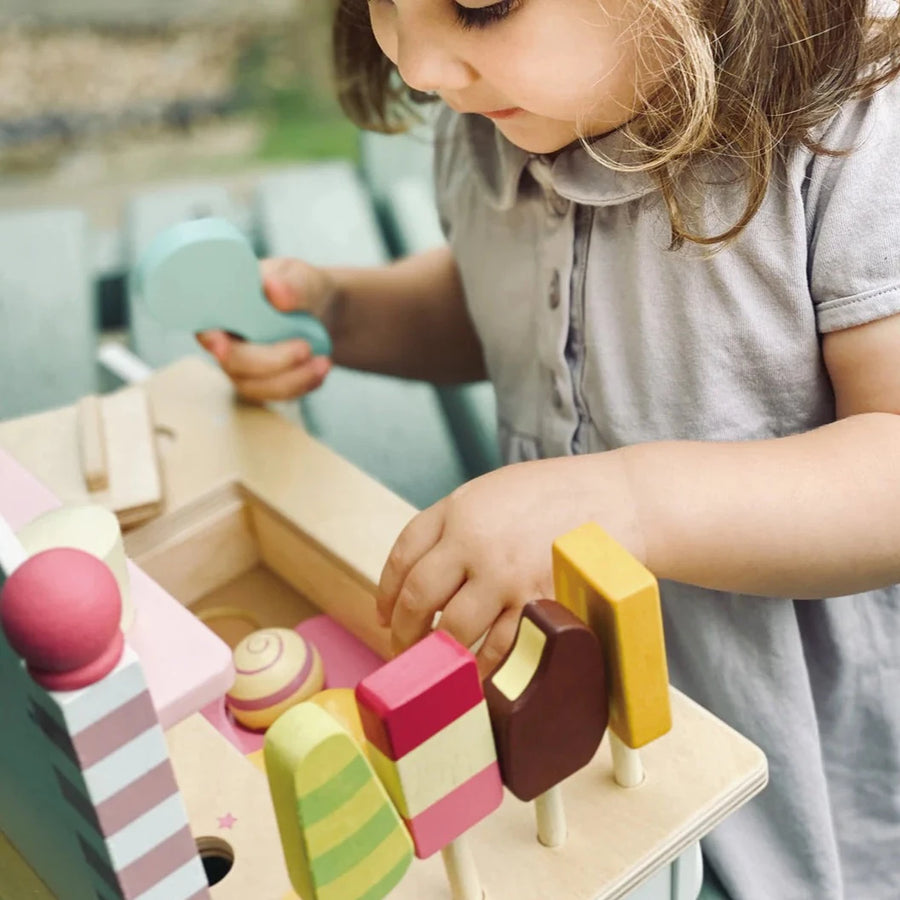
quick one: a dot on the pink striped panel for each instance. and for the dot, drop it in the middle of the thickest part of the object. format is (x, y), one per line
(135, 799)
(115, 730)
(161, 861)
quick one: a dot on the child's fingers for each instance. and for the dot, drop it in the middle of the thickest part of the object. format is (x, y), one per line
(283, 281)
(263, 372)
(425, 591)
(434, 579)
(469, 613)
(497, 641)
(293, 285)
(214, 342)
(246, 360)
(285, 385)
(421, 533)
(282, 295)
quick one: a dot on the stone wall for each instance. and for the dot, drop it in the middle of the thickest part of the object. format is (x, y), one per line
(119, 13)
(77, 73)
(81, 72)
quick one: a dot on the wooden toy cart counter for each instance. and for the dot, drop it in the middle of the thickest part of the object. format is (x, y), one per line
(263, 524)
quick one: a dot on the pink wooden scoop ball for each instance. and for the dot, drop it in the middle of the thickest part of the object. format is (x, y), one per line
(60, 611)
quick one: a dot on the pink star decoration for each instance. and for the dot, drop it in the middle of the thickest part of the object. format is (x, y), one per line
(226, 821)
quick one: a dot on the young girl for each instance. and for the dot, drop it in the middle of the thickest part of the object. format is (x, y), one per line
(674, 248)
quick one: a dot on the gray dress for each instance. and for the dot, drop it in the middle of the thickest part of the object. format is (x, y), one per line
(596, 336)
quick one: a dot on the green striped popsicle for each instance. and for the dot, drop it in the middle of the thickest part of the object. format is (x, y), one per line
(342, 837)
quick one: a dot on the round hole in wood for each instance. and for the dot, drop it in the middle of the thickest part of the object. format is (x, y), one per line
(217, 857)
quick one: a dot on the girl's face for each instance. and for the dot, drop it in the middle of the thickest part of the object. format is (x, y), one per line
(545, 71)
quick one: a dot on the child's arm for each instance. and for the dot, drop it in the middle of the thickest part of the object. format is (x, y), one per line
(811, 515)
(408, 318)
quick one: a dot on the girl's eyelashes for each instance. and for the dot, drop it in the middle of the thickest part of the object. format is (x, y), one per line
(476, 17)
(483, 16)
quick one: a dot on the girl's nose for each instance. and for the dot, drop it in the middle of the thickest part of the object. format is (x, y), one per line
(428, 64)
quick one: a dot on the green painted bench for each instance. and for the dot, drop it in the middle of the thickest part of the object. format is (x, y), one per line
(48, 329)
(58, 276)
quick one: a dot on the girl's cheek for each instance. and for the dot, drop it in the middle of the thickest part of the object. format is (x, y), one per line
(383, 29)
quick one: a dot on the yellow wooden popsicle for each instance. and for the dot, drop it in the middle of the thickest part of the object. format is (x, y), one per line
(343, 838)
(607, 588)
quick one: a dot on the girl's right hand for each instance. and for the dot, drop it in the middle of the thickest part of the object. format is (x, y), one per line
(286, 369)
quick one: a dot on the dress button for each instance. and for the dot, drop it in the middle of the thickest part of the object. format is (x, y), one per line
(555, 296)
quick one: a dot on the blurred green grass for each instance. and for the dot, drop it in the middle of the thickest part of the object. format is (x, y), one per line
(298, 125)
(284, 82)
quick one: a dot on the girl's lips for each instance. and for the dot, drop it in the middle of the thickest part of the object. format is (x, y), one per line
(502, 113)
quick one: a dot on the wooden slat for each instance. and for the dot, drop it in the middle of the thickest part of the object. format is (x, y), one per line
(397, 169)
(388, 158)
(135, 486)
(393, 429)
(92, 443)
(48, 337)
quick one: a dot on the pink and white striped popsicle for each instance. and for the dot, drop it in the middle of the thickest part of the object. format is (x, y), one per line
(430, 741)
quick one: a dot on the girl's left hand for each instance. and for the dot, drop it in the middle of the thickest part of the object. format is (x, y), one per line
(483, 552)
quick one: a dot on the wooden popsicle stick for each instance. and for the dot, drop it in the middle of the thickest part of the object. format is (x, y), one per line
(92, 443)
(628, 769)
(462, 875)
(550, 815)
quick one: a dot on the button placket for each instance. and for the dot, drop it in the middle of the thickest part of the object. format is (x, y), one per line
(557, 204)
(556, 397)
(554, 203)
(554, 296)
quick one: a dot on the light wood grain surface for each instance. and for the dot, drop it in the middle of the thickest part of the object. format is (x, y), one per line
(247, 491)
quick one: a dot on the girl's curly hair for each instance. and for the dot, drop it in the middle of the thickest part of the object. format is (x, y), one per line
(753, 77)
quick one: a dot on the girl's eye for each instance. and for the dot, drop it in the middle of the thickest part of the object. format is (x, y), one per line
(483, 16)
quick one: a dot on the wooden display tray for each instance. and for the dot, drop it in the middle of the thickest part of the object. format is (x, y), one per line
(261, 517)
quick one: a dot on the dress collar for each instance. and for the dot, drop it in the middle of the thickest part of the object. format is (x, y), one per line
(572, 173)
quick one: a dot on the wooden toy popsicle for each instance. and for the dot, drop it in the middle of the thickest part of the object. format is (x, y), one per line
(549, 709)
(203, 274)
(342, 837)
(429, 737)
(606, 587)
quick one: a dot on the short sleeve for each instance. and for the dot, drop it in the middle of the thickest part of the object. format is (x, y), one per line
(853, 215)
